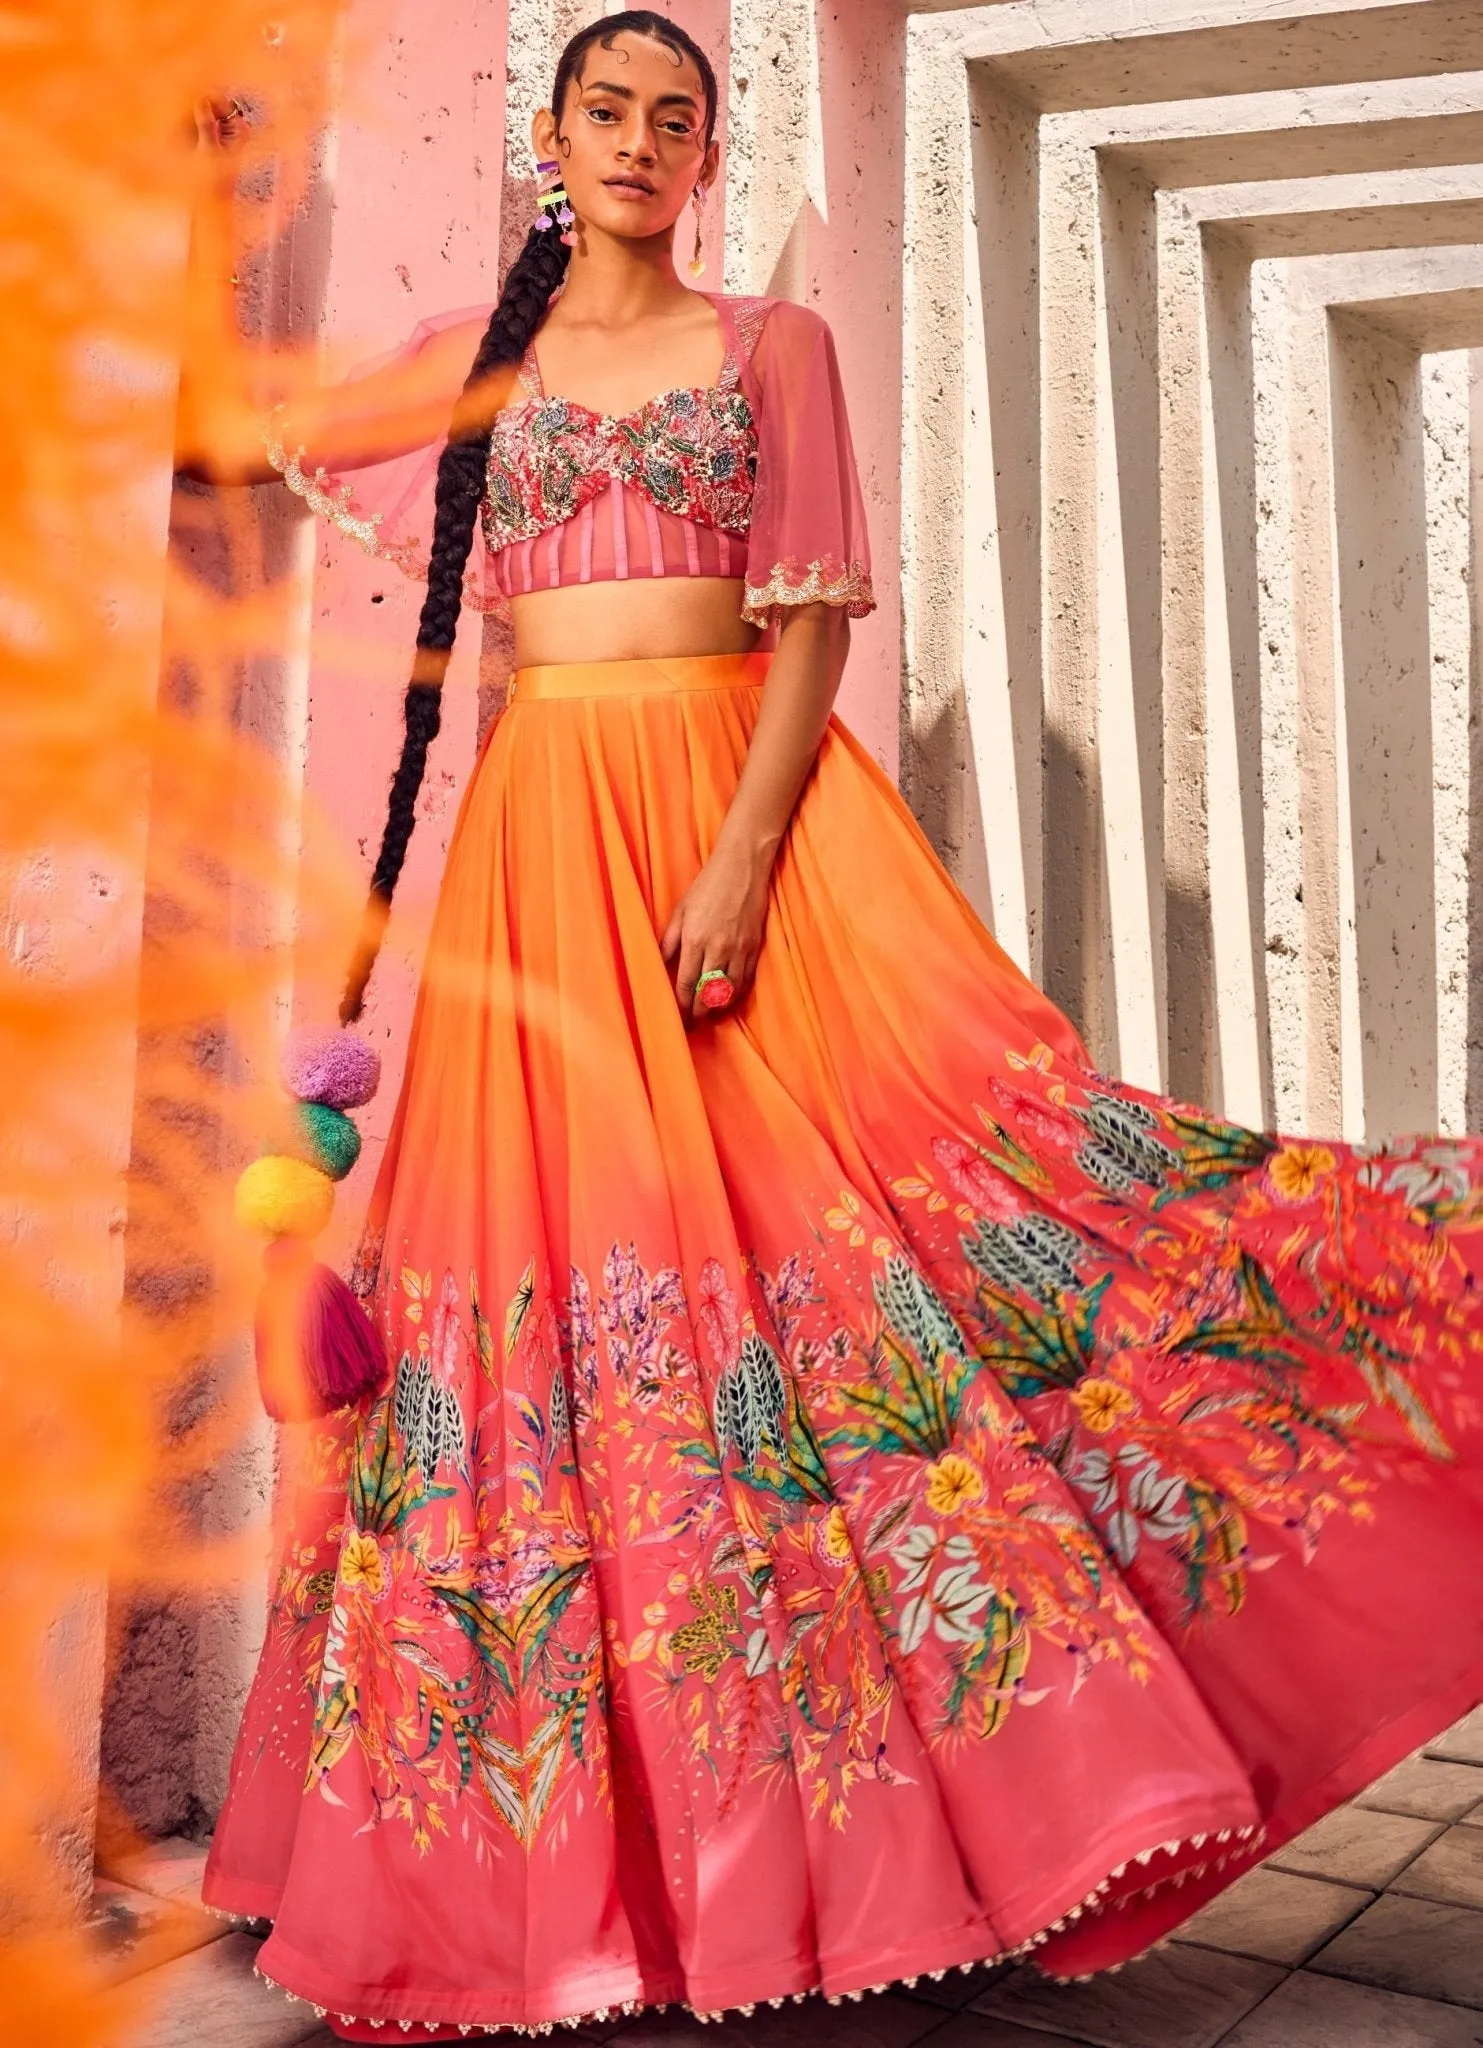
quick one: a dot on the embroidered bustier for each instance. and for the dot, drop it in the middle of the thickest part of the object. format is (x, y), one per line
(693, 453)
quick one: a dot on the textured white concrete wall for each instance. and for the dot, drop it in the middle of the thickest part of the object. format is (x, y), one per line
(1191, 659)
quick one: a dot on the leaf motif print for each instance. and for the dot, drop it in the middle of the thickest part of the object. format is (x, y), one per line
(1123, 1149)
(718, 1315)
(923, 1365)
(1211, 1153)
(561, 1414)
(429, 1418)
(520, 1781)
(991, 1192)
(519, 1308)
(484, 1336)
(383, 1491)
(1032, 1347)
(847, 1218)
(418, 1289)
(1037, 1254)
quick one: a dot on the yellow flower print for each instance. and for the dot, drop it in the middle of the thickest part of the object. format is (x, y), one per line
(1296, 1170)
(952, 1483)
(361, 1564)
(1102, 1404)
(835, 1536)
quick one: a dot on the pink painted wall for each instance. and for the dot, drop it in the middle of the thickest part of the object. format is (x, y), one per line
(417, 180)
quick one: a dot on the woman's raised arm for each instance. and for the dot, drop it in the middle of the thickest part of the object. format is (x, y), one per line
(234, 398)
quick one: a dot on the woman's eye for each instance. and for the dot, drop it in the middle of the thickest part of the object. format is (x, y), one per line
(603, 114)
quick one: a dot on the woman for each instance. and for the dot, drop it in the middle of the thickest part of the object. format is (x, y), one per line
(861, 1493)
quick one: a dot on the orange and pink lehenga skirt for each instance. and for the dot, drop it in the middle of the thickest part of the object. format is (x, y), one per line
(861, 1492)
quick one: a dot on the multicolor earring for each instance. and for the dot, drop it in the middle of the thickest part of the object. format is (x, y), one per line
(697, 261)
(555, 207)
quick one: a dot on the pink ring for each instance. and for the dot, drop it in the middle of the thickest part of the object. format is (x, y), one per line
(715, 990)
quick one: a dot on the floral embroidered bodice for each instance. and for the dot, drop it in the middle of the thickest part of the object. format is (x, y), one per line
(692, 452)
(752, 479)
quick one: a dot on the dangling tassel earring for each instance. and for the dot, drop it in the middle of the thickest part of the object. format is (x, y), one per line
(555, 206)
(697, 261)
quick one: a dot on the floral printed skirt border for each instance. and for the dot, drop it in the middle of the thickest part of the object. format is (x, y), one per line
(859, 1488)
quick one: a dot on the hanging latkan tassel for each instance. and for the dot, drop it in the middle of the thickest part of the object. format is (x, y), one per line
(316, 1348)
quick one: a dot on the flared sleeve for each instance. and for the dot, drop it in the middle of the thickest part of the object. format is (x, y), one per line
(808, 541)
(365, 457)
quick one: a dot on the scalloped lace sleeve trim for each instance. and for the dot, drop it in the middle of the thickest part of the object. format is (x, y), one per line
(824, 582)
(336, 503)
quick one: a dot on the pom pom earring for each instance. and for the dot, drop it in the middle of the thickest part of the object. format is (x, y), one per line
(555, 206)
(316, 1348)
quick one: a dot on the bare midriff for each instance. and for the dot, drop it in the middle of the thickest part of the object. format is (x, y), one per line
(646, 619)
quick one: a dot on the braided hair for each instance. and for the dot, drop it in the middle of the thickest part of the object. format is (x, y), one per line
(529, 284)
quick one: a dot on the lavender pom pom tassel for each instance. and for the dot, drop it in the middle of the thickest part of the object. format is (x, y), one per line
(317, 1351)
(338, 1068)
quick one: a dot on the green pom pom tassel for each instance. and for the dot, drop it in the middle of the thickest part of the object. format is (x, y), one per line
(324, 1138)
(282, 1197)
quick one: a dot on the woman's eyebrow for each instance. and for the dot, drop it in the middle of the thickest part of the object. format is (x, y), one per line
(626, 92)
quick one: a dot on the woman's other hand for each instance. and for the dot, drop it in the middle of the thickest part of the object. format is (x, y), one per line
(718, 922)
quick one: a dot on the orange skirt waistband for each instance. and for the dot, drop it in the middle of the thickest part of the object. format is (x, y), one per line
(639, 678)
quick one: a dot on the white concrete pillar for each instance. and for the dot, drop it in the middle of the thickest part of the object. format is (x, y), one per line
(1380, 522)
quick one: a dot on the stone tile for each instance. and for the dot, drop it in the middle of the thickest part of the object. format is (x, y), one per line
(133, 1930)
(879, 2021)
(171, 1869)
(1179, 1997)
(977, 2030)
(212, 1997)
(1357, 1845)
(957, 1988)
(1323, 2012)
(1462, 1744)
(1276, 1916)
(1451, 1869)
(1413, 1945)
(1428, 1789)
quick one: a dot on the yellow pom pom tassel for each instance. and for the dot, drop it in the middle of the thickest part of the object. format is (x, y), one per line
(282, 1197)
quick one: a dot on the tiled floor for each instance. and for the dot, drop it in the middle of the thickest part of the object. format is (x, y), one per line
(1366, 1933)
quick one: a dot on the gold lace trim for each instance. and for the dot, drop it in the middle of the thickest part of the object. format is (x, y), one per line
(337, 503)
(822, 582)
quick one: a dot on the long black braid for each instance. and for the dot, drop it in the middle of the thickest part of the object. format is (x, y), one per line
(529, 284)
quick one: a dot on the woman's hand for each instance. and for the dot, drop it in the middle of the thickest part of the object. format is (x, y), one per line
(718, 922)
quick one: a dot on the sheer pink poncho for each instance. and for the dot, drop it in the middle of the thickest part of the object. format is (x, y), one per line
(796, 536)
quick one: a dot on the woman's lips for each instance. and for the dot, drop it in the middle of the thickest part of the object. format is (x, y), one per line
(628, 188)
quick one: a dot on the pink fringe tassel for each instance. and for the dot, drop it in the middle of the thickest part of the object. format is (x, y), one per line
(316, 1348)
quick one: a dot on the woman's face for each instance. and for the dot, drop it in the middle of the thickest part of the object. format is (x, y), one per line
(631, 141)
